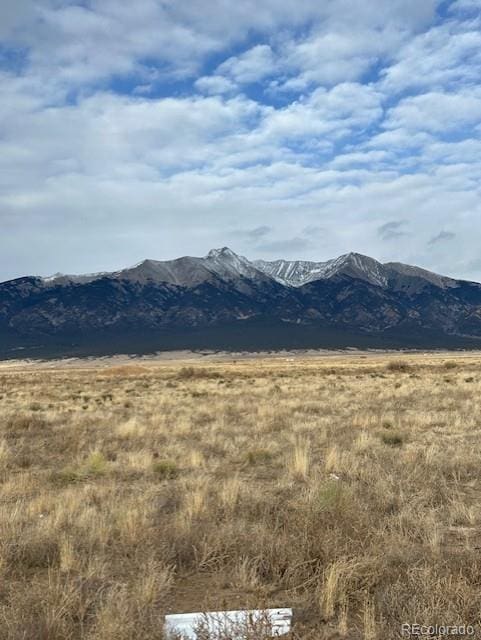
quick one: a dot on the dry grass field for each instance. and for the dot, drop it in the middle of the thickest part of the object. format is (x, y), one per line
(347, 488)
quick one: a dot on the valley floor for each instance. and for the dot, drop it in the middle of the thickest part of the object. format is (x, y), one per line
(346, 486)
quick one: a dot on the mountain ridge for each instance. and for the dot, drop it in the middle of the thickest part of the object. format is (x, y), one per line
(353, 297)
(289, 272)
(299, 272)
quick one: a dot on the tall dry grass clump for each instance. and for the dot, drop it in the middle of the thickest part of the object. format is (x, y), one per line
(300, 461)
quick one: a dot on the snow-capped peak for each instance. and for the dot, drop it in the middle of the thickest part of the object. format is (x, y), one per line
(299, 272)
(360, 266)
(225, 263)
(223, 252)
(55, 276)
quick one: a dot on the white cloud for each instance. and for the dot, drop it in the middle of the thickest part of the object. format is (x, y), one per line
(436, 112)
(446, 55)
(325, 114)
(108, 135)
(253, 65)
(466, 151)
(91, 41)
(126, 214)
(399, 140)
(215, 85)
(465, 5)
(328, 58)
(370, 158)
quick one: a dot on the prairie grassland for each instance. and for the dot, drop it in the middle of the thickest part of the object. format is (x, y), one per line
(348, 488)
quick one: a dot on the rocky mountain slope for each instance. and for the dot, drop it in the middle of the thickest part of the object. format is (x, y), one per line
(225, 300)
(388, 275)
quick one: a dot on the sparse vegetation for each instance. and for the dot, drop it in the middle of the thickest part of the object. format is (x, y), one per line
(398, 365)
(336, 486)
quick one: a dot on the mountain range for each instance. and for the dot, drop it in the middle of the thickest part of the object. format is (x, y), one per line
(224, 301)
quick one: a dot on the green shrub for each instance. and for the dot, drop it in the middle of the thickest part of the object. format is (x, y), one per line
(197, 373)
(95, 465)
(450, 364)
(165, 469)
(398, 366)
(392, 439)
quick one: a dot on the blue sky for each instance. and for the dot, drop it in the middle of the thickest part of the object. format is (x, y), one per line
(300, 129)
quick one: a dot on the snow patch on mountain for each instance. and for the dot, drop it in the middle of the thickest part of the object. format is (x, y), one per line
(63, 278)
(300, 272)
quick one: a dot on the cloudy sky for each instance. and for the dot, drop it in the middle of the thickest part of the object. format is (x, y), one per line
(296, 129)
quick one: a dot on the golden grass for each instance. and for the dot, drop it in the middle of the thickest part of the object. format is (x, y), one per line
(348, 488)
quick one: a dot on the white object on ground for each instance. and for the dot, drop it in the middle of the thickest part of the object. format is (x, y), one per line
(184, 625)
